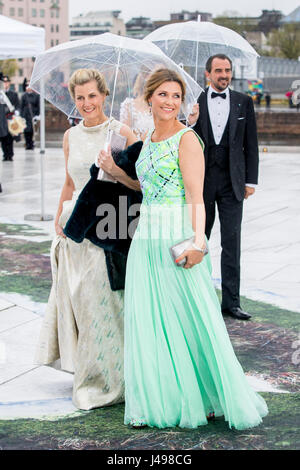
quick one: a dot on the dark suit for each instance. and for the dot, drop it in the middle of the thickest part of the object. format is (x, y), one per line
(30, 107)
(7, 140)
(229, 166)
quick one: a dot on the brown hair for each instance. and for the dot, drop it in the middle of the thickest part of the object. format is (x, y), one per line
(208, 65)
(83, 76)
(161, 76)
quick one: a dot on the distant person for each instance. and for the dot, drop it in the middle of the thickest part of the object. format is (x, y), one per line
(30, 110)
(289, 95)
(268, 100)
(259, 96)
(7, 140)
(295, 100)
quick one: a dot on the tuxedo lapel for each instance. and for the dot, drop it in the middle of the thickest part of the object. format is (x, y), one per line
(234, 114)
(203, 115)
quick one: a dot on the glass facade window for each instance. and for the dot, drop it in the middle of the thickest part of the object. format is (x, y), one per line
(20, 11)
(42, 13)
(34, 12)
(11, 12)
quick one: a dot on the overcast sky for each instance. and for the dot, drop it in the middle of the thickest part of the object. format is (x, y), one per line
(160, 9)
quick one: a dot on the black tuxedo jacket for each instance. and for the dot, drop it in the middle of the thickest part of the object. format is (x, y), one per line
(243, 145)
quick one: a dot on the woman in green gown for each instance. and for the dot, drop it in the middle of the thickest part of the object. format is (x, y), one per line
(180, 366)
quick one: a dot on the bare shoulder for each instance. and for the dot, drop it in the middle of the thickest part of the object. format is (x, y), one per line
(190, 138)
(66, 137)
(127, 132)
(66, 143)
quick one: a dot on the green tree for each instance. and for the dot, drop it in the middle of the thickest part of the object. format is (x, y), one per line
(9, 67)
(285, 42)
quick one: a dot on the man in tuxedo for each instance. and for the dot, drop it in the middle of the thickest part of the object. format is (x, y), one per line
(225, 121)
(8, 140)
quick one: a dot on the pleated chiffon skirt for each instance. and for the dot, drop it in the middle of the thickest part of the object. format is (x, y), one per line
(179, 361)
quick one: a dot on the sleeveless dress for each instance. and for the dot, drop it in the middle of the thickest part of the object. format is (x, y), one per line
(179, 362)
(84, 320)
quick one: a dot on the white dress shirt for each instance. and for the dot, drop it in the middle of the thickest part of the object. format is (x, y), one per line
(218, 110)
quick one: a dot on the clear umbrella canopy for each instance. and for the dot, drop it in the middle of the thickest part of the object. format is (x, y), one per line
(191, 43)
(123, 61)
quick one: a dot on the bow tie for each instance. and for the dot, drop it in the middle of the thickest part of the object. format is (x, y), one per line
(221, 95)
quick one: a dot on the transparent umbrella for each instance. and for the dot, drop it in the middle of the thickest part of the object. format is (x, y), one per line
(191, 43)
(120, 59)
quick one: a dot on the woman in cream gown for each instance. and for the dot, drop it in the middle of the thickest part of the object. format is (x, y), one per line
(83, 325)
(135, 112)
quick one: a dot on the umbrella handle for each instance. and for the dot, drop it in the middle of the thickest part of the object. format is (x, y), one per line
(102, 175)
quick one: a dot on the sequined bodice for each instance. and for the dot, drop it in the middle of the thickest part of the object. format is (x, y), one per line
(159, 172)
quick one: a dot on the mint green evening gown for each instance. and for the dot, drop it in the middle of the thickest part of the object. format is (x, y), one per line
(179, 361)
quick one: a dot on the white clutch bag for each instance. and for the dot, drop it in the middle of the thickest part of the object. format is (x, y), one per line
(117, 143)
(179, 248)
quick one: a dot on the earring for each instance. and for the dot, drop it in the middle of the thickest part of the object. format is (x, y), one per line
(150, 108)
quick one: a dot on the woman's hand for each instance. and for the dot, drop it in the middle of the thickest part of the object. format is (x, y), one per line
(192, 257)
(59, 231)
(106, 162)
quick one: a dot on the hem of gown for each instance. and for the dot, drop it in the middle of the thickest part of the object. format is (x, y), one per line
(103, 405)
(238, 427)
(56, 364)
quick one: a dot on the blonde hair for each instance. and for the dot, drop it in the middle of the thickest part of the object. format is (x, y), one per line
(161, 76)
(83, 76)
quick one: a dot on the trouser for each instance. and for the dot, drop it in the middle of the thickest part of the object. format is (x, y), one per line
(29, 143)
(218, 192)
(7, 147)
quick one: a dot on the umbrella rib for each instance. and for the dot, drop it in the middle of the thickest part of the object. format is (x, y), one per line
(70, 114)
(95, 60)
(140, 61)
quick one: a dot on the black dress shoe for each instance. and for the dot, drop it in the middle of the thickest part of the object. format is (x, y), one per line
(236, 312)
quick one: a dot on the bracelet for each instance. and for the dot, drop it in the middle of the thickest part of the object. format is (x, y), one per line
(196, 247)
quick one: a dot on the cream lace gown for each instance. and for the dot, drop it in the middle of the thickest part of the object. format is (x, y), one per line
(139, 121)
(83, 325)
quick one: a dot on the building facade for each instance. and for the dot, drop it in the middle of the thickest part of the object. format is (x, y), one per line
(139, 27)
(97, 22)
(184, 15)
(52, 15)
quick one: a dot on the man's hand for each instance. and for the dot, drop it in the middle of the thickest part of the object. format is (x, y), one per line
(249, 191)
(194, 115)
